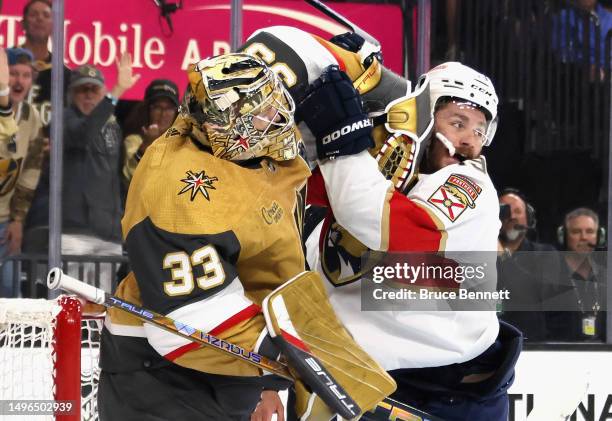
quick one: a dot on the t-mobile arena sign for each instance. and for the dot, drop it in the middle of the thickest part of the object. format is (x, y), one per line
(96, 31)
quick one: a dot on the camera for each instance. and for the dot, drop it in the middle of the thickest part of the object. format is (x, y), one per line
(504, 211)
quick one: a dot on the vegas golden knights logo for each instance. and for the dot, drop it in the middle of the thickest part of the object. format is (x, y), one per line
(9, 173)
(198, 182)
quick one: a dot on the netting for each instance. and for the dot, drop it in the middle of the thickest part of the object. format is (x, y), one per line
(30, 355)
(90, 370)
(26, 350)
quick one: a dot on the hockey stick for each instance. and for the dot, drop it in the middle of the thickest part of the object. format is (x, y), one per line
(311, 371)
(57, 279)
(388, 409)
(392, 410)
(344, 21)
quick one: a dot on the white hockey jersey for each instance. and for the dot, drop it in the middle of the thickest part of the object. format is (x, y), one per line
(452, 210)
(366, 204)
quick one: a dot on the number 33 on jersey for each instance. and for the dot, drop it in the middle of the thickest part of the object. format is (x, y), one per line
(208, 239)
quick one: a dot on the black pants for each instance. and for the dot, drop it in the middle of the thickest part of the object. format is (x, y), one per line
(439, 391)
(176, 393)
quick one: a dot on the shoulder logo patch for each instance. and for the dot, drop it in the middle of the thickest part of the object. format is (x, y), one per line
(198, 183)
(272, 214)
(172, 131)
(456, 194)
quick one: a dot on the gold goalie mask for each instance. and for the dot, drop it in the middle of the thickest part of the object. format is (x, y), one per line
(242, 107)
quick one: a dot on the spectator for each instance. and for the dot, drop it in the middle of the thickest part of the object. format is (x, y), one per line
(37, 24)
(521, 271)
(572, 25)
(582, 283)
(513, 234)
(148, 121)
(91, 199)
(20, 157)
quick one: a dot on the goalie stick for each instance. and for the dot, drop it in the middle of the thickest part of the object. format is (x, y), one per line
(344, 21)
(370, 48)
(313, 372)
(392, 410)
(57, 279)
(388, 409)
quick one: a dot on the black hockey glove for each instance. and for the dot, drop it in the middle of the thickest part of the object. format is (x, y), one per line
(333, 112)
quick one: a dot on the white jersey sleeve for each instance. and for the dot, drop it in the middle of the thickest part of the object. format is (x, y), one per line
(454, 211)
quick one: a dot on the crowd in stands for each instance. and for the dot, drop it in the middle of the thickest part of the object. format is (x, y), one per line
(97, 161)
(557, 293)
(573, 26)
(100, 157)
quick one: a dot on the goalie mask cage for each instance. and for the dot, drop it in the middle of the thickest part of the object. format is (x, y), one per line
(49, 351)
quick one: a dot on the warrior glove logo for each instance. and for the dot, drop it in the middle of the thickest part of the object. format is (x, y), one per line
(349, 128)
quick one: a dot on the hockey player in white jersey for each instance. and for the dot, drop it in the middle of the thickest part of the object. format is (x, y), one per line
(454, 364)
(420, 350)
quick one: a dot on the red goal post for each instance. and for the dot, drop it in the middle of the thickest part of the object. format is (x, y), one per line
(49, 351)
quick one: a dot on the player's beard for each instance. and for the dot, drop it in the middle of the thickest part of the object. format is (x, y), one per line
(437, 152)
(426, 165)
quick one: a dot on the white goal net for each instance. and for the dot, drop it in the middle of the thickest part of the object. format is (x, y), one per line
(48, 352)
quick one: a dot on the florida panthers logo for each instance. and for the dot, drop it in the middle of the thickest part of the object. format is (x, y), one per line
(456, 195)
(343, 258)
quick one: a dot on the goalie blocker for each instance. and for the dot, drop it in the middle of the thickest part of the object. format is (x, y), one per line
(303, 325)
(329, 366)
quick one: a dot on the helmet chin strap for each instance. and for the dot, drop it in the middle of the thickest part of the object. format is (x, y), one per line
(447, 143)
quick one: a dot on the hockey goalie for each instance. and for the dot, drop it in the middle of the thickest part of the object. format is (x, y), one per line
(213, 232)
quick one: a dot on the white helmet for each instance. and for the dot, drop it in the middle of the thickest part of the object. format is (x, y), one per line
(453, 79)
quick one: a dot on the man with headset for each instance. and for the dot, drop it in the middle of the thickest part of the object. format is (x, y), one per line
(581, 283)
(520, 266)
(519, 219)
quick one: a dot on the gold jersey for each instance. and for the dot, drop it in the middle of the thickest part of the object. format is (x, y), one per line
(21, 155)
(208, 239)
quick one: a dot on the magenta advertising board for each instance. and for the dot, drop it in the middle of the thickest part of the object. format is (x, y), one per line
(95, 31)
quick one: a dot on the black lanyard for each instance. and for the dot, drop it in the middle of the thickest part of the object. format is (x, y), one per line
(579, 300)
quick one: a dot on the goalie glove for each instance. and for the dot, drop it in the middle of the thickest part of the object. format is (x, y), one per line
(333, 111)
